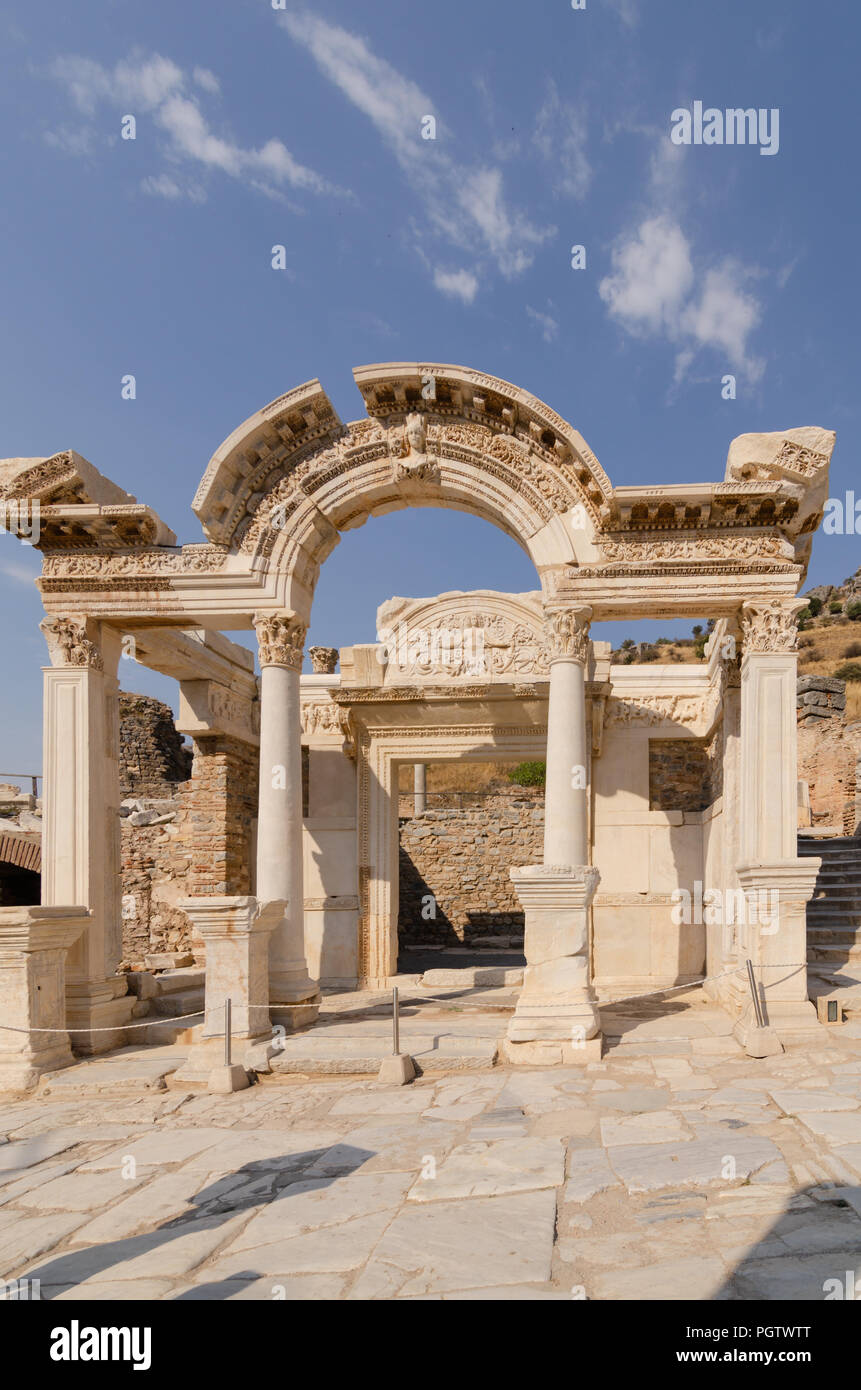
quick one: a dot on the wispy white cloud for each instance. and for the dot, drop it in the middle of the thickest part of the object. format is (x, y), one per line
(654, 290)
(460, 284)
(463, 203)
(627, 10)
(156, 86)
(561, 137)
(163, 186)
(78, 141)
(19, 573)
(207, 80)
(547, 323)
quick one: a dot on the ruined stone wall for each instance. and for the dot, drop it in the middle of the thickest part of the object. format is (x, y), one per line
(680, 774)
(156, 864)
(198, 844)
(462, 858)
(829, 751)
(152, 757)
(222, 809)
(828, 762)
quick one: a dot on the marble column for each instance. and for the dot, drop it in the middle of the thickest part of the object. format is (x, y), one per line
(556, 1019)
(420, 789)
(294, 996)
(81, 823)
(777, 884)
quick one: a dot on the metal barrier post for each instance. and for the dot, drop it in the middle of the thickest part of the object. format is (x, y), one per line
(757, 1003)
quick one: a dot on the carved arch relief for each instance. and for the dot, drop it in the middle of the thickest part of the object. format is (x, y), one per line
(288, 481)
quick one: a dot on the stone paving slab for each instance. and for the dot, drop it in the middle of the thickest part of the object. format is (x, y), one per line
(493, 1169)
(127, 1071)
(447, 1246)
(836, 1129)
(699, 1163)
(698, 1277)
(668, 1169)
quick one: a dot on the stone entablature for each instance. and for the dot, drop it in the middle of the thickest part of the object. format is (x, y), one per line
(278, 492)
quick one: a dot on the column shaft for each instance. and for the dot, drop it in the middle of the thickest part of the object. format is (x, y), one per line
(565, 806)
(420, 795)
(777, 884)
(279, 825)
(81, 836)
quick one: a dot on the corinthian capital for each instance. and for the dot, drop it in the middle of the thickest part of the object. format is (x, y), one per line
(770, 625)
(281, 640)
(566, 633)
(68, 643)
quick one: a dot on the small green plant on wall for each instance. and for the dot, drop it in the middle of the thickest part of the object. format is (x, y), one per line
(529, 774)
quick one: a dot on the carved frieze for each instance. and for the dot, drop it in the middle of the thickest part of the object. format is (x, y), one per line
(703, 547)
(465, 643)
(325, 717)
(694, 712)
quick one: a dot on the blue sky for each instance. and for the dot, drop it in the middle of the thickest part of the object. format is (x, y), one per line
(302, 127)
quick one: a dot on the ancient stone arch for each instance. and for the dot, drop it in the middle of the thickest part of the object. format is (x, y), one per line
(283, 486)
(273, 502)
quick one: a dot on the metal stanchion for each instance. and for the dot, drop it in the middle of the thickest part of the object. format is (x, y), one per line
(754, 994)
(757, 1038)
(230, 1076)
(400, 1068)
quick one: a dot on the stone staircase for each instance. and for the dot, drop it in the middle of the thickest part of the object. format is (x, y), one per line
(834, 911)
(168, 996)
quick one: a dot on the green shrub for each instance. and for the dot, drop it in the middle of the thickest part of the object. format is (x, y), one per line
(853, 610)
(529, 774)
(836, 605)
(854, 649)
(849, 671)
(803, 616)
(815, 606)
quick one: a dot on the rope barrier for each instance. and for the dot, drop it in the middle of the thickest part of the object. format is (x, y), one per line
(427, 999)
(117, 1028)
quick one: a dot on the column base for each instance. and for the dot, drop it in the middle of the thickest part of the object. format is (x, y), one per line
(552, 1054)
(295, 1016)
(789, 1021)
(34, 942)
(774, 938)
(25, 1072)
(288, 988)
(557, 1003)
(206, 1057)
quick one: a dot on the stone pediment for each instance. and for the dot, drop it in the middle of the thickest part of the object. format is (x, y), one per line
(457, 636)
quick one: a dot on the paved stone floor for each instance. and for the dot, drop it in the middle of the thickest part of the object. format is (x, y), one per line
(675, 1168)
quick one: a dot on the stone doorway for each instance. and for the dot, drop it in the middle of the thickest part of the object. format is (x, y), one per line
(460, 827)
